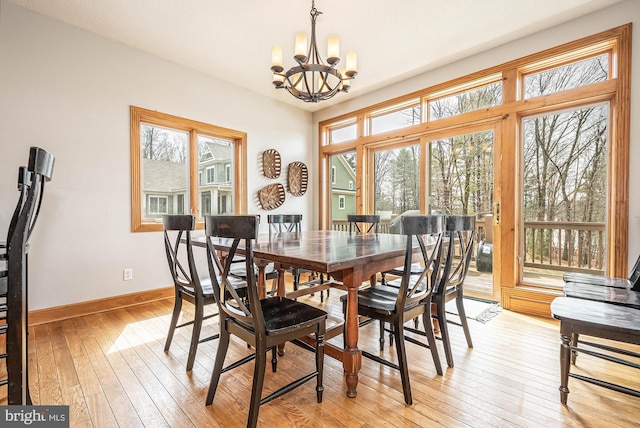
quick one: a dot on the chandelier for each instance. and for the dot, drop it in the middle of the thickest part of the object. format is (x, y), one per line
(312, 80)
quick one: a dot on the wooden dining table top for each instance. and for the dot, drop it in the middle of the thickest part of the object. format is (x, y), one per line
(324, 251)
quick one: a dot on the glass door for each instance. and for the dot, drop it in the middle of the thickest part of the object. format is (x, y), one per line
(564, 194)
(447, 173)
(461, 182)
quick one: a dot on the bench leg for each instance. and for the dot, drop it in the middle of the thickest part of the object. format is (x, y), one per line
(565, 364)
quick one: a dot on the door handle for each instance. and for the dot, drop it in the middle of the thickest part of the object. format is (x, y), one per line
(496, 212)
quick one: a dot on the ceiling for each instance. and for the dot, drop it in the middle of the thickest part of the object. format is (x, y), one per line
(394, 39)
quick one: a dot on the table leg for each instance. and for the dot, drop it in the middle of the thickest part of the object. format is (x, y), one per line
(281, 291)
(352, 356)
(262, 287)
(565, 364)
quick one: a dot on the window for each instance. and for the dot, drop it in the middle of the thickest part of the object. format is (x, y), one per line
(396, 117)
(211, 175)
(397, 180)
(165, 180)
(180, 204)
(535, 148)
(227, 176)
(569, 76)
(157, 205)
(466, 101)
(343, 131)
(350, 184)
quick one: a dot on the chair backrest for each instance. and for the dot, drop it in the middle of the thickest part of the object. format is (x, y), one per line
(38, 171)
(176, 229)
(417, 283)
(367, 223)
(284, 222)
(461, 235)
(31, 185)
(634, 276)
(241, 229)
(24, 182)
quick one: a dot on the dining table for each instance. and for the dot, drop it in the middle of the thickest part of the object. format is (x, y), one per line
(349, 258)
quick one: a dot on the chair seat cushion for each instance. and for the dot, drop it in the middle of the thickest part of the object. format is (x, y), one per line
(616, 296)
(239, 270)
(381, 298)
(586, 278)
(207, 287)
(281, 314)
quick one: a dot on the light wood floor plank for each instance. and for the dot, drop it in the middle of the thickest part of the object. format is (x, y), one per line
(112, 370)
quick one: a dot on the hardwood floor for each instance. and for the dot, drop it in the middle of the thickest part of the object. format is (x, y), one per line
(110, 368)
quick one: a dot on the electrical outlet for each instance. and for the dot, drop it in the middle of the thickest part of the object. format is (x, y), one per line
(127, 274)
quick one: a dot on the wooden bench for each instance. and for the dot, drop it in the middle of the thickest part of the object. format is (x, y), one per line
(595, 319)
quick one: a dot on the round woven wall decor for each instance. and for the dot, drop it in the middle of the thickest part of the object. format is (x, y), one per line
(297, 177)
(271, 196)
(271, 163)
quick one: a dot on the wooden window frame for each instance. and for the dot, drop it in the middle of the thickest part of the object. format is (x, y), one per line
(139, 115)
(615, 90)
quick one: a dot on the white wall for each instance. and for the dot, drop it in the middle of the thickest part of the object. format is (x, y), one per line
(69, 92)
(611, 17)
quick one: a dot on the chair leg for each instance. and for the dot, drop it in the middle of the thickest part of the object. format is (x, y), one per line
(398, 332)
(223, 345)
(274, 359)
(177, 307)
(381, 335)
(431, 339)
(574, 343)
(258, 382)
(463, 320)
(444, 332)
(320, 362)
(195, 336)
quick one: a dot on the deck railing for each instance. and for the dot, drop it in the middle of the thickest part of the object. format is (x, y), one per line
(561, 246)
(565, 246)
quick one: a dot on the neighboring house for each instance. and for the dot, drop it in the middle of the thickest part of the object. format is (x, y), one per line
(343, 189)
(164, 184)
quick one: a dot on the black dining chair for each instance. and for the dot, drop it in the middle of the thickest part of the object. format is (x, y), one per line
(262, 323)
(461, 236)
(188, 285)
(409, 296)
(363, 223)
(238, 269)
(280, 223)
(14, 277)
(616, 291)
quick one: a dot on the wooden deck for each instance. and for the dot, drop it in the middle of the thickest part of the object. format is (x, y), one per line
(111, 369)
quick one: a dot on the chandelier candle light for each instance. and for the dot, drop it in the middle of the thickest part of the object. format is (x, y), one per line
(312, 80)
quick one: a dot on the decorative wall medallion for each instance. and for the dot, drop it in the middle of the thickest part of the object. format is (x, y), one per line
(271, 163)
(271, 196)
(297, 177)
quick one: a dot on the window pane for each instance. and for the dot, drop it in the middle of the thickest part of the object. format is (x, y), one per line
(462, 175)
(343, 199)
(464, 102)
(395, 120)
(397, 182)
(165, 170)
(569, 76)
(564, 185)
(344, 133)
(215, 190)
